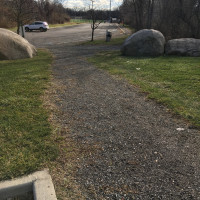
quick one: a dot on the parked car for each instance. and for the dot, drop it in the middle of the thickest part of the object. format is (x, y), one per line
(42, 26)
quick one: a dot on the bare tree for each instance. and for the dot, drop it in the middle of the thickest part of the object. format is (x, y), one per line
(93, 13)
(22, 11)
(94, 22)
(196, 14)
(4, 14)
(174, 18)
(52, 11)
(139, 13)
(45, 9)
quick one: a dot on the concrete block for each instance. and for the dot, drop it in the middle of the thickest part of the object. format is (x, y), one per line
(39, 182)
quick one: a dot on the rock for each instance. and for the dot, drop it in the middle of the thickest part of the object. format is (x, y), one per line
(13, 46)
(146, 42)
(183, 47)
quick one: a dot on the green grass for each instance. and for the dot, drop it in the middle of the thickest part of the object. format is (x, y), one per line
(80, 21)
(174, 81)
(14, 29)
(71, 23)
(25, 133)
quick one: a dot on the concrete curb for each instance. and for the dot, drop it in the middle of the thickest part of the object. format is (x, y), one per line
(39, 182)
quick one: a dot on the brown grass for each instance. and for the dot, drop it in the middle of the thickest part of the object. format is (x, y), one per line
(71, 152)
(63, 170)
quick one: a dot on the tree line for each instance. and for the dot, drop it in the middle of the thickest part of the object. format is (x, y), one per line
(20, 12)
(100, 14)
(174, 18)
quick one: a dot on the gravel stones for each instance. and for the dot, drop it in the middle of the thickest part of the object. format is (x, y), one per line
(135, 150)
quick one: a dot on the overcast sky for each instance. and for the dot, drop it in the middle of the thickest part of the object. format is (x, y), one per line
(98, 4)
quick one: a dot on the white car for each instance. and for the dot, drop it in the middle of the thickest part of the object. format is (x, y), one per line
(42, 26)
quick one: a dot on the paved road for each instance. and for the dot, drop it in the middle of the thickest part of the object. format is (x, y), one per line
(70, 34)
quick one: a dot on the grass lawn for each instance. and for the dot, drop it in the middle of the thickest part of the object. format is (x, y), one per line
(71, 23)
(80, 21)
(174, 81)
(25, 133)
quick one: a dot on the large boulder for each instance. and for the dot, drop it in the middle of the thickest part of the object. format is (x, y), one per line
(13, 46)
(146, 42)
(183, 47)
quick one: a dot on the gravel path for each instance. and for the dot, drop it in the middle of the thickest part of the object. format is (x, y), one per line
(138, 153)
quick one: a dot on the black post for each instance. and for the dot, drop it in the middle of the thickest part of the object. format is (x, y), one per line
(22, 29)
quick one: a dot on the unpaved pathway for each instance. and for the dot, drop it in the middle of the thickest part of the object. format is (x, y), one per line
(138, 151)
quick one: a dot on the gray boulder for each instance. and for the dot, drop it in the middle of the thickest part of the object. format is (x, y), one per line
(183, 47)
(146, 42)
(13, 46)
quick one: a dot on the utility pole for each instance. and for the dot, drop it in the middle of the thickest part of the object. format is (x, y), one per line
(110, 12)
(92, 4)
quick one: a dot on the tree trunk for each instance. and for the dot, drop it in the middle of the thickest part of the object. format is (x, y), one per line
(18, 27)
(92, 34)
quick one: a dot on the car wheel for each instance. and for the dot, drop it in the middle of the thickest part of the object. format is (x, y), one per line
(41, 29)
(26, 29)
